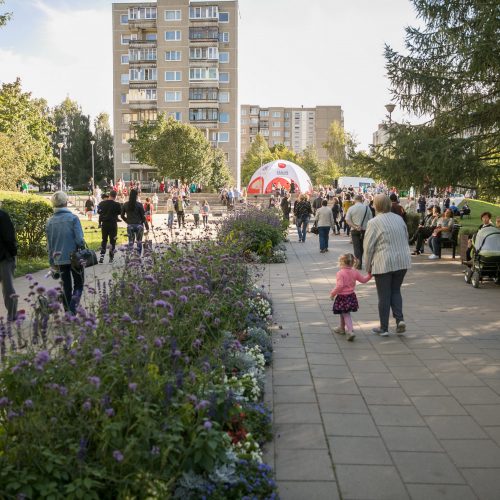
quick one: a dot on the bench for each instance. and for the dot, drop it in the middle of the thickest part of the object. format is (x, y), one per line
(453, 241)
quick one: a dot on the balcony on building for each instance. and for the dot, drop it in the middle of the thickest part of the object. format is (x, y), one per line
(142, 84)
(142, 99)
(142, 44)
(142, 17)
(204, 13)
(206, 95)
(142, 58)
(204, 34)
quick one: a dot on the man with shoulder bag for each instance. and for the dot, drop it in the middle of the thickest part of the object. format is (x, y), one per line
(109, 210)
(357, 218)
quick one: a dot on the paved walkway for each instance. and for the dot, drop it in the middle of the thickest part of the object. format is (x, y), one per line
(416, 416)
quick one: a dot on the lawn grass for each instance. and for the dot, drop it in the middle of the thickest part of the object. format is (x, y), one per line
(477, 208)
(92, 236)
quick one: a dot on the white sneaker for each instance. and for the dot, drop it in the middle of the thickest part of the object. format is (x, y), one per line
(401, 327)
(433, 257)
(339, 330)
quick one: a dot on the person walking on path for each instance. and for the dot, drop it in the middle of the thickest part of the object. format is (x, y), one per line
(89, 207)
(302, 211)
(109, 210)
(324, 220)
(346, 204)
(357, 218)
(387, 258)
(148, 211)
(65, 236)
(336, 209)
(179, 206)
(196, 214)
(170, 212)
(8, 252)
(345, 300)
(205, 210)
(133, 215)
(286, 207)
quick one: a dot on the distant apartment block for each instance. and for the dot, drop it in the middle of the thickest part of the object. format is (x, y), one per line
(296, 128)
(178, 57)
(381, 136)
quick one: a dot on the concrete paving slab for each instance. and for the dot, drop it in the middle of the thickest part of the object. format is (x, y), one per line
(300, 436)
(440, 492)
(484, 482)
(306, 465)
(359, 450)
(473, 452)
(293, 413)
(409, 439)
(299, 490)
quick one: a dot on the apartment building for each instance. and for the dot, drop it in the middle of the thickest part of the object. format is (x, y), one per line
(178, 57)
(296, 128)
(381, 136)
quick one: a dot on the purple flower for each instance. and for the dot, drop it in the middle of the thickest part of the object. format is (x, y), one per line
(197, 343)
(158, 342)
(40, 289)
(97, 354)
(12, 414)
(28, 404)
(183, 299)
(207, 425)
(109, 412)
(63, 391)
(41, 359)
(118, 455)
(160, 303)
(126, 318)
(202, 404)
(87, 406)
(96, 381)
(4, 402)
(132, 386)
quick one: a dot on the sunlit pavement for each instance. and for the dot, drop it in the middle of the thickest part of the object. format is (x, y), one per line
(416, 416)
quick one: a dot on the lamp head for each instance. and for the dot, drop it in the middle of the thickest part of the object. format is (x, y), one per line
(60, 145)
(92, 142)
(390, 107)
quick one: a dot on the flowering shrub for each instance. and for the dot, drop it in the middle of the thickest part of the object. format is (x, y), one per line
(137, 396)
(255, 230)
(260, 306)
(256, 336)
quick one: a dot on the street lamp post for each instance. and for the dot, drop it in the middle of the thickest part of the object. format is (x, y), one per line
(93, 177)
(390, 108)
(60, 146)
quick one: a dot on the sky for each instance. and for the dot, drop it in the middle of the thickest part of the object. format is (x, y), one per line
(291, 53)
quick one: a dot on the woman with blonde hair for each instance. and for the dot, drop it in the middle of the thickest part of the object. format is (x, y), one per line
(387, 257)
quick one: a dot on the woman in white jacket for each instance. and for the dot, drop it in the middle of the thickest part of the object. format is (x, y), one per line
(324, 220)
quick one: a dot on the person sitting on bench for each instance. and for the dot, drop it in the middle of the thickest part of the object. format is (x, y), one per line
(444, 230)
(425, 229)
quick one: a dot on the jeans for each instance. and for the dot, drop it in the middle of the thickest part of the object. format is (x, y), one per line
(7, 268)
(134, 233)
(302, 228)
(421, 235)
(109, 230)
(435, 244)
(205, 220)
(180, 219)
(170, 220)
(196, 220)
(323, 233)
(389, 296)
(72, 282)
(357, 245)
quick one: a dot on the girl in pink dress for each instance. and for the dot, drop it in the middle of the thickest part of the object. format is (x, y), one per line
(345, 299)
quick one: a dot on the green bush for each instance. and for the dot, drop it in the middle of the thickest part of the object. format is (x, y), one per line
(29, 215)
(412, 221)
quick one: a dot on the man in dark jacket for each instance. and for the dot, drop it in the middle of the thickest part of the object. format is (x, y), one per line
(109, 210)
(396, 208)
(8, 252)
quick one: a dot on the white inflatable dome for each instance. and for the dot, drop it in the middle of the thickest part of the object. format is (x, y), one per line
(277, 174)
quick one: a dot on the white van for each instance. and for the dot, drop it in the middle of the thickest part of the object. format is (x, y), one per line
(356, 182)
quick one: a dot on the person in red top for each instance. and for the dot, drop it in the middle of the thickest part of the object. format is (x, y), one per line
(345, 300)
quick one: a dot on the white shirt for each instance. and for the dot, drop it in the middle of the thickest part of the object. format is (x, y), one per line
(356, 213)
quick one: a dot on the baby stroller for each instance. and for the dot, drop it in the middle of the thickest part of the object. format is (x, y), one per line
(485, 260)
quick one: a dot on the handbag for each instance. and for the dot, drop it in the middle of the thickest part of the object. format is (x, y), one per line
(83, 258)
(314, 229)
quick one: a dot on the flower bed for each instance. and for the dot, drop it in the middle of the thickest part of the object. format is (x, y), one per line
(258, 232)
(154, 394)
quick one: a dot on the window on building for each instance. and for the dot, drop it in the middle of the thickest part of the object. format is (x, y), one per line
(276, 114)
(223, 137)
(223, 96)
(124, 58)
(173, 96)
(287, 134)
(224, 57)
(244, 112)
(123, 98)
(124, 78)
(146, 74)
(147, 54)
(223, 17)
(126, 157)
(224, 37)
(264, 132)
(176, 115)
(173, 36)
(204, 33)
(276, 124)
(276, 133)
(138, 13)
(203, 74)
(254, 121)
(287, 144)
(203, 115)
(124, 19)
(151, 37)
(173, 76)
(125, 38)
(205, 12)
(287, 124)
(287, 115)
(224, 77)
(173, 15)
(173, 55)
(264, 113)
(224, 117)
(204, 94)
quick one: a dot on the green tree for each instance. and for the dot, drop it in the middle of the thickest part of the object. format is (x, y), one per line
(340, 146)
(221, 175)
(177, 150)
(258, 154)
(451, 72)
(281, 152)
(73, 129)
(328, 172)
(4, 18)
(103, 148)
(311, 163)
(25, 123)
